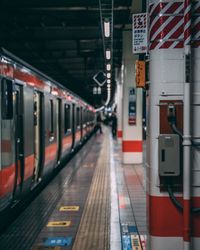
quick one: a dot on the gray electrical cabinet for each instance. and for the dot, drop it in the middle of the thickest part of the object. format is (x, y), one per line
(169, 155)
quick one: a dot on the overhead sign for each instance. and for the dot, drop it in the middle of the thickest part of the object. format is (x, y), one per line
(100, 78)
(140, 33)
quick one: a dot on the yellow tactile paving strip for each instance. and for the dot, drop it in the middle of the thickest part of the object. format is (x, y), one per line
(93, 232)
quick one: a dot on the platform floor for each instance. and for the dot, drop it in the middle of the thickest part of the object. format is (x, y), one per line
(94, 203)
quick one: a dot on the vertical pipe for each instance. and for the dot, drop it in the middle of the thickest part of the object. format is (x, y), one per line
(187, 130)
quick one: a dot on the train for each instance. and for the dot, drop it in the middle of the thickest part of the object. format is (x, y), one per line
(42, 123)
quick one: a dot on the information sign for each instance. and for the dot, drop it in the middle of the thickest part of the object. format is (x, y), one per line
(139, 33)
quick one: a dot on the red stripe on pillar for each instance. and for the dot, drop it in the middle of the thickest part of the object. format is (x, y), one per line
(132, 146)
(119, 133)
(165, 220)
(187, 223)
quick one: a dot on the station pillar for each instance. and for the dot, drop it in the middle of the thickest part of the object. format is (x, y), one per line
(119, 104)
(132, 105)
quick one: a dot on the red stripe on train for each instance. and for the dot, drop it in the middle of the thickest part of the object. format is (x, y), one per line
(50, 153)
(67, 142)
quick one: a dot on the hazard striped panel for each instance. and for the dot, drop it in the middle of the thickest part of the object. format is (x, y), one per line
(187, 23)
(169, 28)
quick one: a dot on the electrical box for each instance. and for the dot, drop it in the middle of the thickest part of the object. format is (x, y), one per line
(169, 155)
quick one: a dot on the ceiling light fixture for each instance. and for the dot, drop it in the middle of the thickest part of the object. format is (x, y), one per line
(108, 75)
(106, 28)
(108, 67)
(108, 54)
(108, 81)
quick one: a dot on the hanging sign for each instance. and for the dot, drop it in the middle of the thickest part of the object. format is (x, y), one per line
(132, 107)
(139, 33)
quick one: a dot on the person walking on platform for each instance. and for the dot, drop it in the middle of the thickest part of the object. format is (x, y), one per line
(98, 124)
(114, 124)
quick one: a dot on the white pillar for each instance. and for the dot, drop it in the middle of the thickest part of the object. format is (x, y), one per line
(132, 133)
(119, 104)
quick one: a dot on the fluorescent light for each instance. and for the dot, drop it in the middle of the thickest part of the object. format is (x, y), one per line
(107, 28)
(108, 67)
(94, 90)
(108, 86)
(108, 81)
(99, 90)
(108, 75)
(108, 54)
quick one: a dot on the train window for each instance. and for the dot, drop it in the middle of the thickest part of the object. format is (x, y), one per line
(67, 118)
(84, 116)
(88, 116)
(7, 99)
(51, 117)
(78, 116)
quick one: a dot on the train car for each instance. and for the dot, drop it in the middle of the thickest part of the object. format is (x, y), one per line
(41, 124)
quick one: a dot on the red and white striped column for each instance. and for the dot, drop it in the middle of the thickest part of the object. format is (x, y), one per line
(169, 228)
(132, 133)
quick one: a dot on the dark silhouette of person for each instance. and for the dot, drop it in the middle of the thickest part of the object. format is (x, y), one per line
(114, 124)
(98, 125)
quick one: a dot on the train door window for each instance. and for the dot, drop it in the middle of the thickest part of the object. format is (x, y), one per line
(7, 99)
(67, 118)
(51, 124)
(78, 116)
(84, 116)
(87, 116)
(81, 118)
(7, 124)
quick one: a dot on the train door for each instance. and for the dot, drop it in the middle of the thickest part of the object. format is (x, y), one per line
(7, 144)
(81, 121)
(73, 124)
(59, 129)
(38, 145)
(19, 140)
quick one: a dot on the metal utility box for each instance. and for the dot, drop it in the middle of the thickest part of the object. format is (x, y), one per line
(169, 155)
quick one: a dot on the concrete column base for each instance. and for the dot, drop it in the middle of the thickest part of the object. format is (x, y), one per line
(132, 158)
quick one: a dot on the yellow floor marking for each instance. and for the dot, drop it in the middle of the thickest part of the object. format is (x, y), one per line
(135, 241)
(69, 208)
(59, 224)
(91, 165)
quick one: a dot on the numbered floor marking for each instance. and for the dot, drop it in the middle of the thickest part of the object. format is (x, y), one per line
(69, 208)
(59, 224)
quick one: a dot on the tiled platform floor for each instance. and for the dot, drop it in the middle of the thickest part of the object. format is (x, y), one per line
(108, 205)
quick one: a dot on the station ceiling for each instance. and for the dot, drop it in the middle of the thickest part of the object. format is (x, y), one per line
(63, 39)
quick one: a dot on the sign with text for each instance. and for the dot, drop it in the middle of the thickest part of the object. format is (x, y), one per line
(132, 107)
(139, 33)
